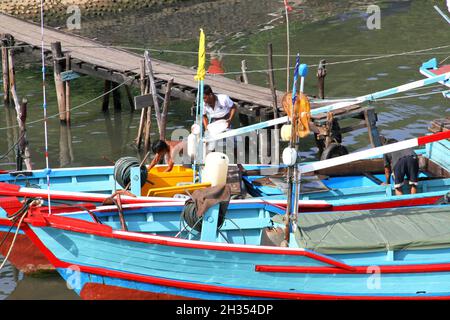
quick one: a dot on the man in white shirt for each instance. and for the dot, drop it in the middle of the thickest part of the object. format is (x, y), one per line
(217, 107)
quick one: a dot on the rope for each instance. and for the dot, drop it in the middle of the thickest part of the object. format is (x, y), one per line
(21, 212)
(122, 171)
(12, 243)
(13, 146)
(75, 108)
(444, 60)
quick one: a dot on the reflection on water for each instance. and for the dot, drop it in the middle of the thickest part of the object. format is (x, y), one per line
(319, 28)
(9, 277)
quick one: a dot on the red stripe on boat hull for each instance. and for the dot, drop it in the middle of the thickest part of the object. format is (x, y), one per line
(213, 288)
(412, 268)
(97, 291)
(389, 204)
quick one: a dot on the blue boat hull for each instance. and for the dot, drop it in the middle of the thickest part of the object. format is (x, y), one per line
(92, 256)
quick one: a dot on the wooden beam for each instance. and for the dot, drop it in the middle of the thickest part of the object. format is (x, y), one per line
(165, 110)
(153, 90)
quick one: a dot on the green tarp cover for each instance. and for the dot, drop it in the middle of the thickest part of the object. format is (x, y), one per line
(375, 230)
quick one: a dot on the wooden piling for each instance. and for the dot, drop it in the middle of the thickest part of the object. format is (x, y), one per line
(68, 67)
(116, 96)
(58, 67)
(5, 71)
(165, 110)
(66, 156)
(21, 113)
(371, 124)
(130, 98)
(106, 92)
(23, 144)
(321, 74)
(244, 71)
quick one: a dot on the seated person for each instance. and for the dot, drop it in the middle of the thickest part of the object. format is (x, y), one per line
(169, 149)
(401, 163)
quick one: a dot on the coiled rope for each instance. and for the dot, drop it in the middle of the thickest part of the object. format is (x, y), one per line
(122, 171)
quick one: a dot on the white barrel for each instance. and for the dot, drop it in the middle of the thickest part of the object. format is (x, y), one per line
(216, 169)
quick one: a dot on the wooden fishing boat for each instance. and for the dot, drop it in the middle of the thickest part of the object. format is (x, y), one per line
(359, 185)
(381, 254)
(432, 69)
(351, 198)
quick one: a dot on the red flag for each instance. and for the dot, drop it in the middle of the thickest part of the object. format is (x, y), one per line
(287, 6)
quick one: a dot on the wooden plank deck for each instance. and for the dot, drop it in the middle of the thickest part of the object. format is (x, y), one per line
(128, 63)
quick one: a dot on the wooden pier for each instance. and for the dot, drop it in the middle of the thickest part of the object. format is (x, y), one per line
(71, 54)
(89, 57)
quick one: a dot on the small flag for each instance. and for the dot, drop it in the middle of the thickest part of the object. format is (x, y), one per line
(201, 72)
(288, 7)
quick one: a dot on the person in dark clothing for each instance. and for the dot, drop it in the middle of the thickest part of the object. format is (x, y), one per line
(401, 163)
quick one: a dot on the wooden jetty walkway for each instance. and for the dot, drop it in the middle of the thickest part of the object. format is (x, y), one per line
(92, 58)
(69, 52)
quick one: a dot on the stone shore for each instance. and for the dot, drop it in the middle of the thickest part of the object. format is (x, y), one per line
(59, 8)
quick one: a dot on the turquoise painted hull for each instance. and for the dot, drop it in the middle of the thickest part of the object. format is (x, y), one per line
(160, 264)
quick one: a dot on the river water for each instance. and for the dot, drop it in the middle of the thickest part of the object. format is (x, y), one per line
(237, 29)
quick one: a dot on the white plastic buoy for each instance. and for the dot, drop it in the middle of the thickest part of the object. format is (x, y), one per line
(195, 129)
(286, 132)
(289, 156)
(192, 144)
(216, 169)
